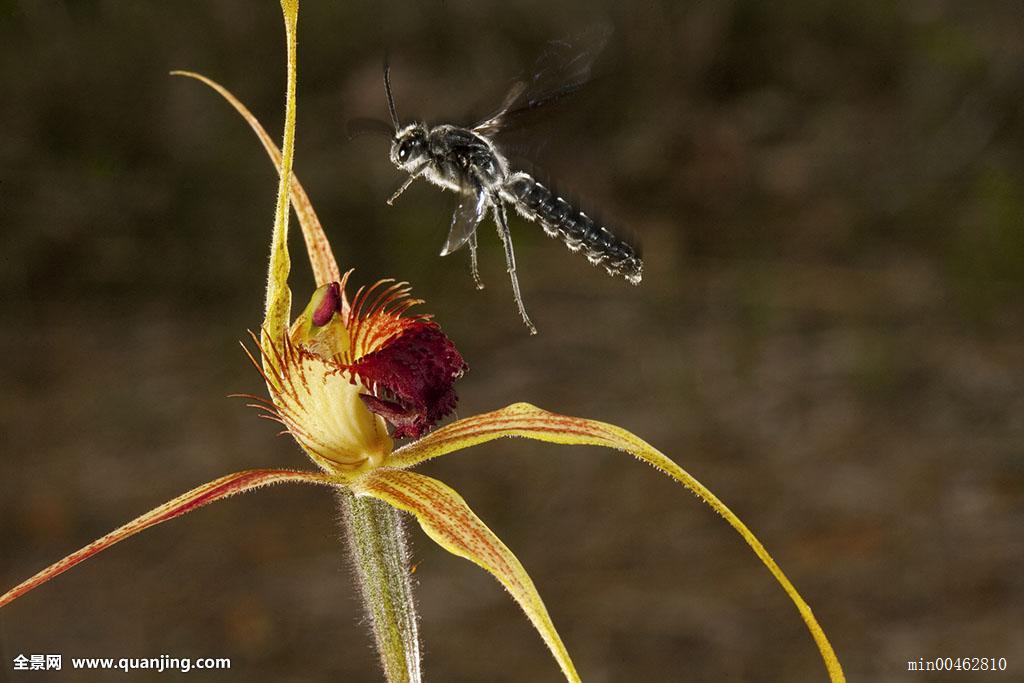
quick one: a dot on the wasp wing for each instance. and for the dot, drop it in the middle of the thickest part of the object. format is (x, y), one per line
(563, 68)
(497, 120)
(467, 217)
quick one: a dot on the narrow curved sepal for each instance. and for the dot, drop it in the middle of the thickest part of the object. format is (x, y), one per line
(321, 258)
(277, 311)
(239, 482)
(447, 519)
(531, 422)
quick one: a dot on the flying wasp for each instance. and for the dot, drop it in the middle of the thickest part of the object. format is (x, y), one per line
(468, 162)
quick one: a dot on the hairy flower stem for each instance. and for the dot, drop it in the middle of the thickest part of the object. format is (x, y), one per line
(376, 541)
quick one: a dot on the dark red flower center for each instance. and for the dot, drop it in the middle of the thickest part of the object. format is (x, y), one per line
(412, 377)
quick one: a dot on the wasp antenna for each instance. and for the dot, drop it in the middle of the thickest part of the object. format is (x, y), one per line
(361, 126)
(387, 90)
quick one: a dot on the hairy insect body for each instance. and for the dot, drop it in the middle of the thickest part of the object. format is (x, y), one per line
(451, 157)
(464, 159)
(466, 162)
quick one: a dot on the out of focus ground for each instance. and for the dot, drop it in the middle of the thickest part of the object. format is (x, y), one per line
(829, 334)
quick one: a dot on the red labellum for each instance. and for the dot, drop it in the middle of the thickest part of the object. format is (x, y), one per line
(412, 377)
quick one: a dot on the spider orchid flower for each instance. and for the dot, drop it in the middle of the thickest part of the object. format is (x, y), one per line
(343, 372)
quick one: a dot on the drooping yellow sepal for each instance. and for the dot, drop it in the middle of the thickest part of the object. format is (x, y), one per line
(531, 422)
(447, 519)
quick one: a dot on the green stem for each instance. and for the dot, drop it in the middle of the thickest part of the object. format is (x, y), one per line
(380, 557)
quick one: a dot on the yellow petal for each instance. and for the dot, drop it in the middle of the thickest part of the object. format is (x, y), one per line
(447, 519)
(525, 420)
(321, 258)
(217, 489)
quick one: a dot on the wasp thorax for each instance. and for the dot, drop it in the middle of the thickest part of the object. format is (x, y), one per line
(409, 147)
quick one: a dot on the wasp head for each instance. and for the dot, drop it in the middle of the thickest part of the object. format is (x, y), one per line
(409, 147)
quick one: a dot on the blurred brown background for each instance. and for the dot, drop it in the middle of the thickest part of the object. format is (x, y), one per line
(831, 202)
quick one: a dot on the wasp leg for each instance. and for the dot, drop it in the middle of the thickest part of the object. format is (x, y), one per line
(510, 258)
(402, 188)
(473, 263)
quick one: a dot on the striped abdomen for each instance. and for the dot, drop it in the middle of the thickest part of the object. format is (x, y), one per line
(561, 219)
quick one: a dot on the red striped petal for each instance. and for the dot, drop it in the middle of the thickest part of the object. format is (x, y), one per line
(217, 489)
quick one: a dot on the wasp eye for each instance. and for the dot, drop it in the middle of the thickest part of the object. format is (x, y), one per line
(404, 150)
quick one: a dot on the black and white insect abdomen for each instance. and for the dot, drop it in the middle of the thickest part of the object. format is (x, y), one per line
(566, 222)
